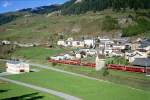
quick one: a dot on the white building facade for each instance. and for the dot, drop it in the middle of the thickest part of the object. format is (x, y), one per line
(17, 67)
(89, 42)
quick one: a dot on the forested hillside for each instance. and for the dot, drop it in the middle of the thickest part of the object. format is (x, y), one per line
(71, 7)
(11, 16)
(74, 7)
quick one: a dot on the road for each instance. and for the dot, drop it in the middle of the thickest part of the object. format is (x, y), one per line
(53, 92)
(4, 74)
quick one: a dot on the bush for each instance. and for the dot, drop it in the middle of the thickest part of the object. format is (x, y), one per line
(109, 24)
(142, 26)
(54, 64)
(105, 72)
(117, 60)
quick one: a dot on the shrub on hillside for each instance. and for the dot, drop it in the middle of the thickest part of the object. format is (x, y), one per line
(105, 71)
(54, 64)
(143, 25)
(109, 24)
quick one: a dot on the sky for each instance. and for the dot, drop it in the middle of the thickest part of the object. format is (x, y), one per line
(13, 5)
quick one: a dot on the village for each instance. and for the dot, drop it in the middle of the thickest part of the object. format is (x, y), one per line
(94, 52)
(74, 49)
(71, 62)
(135, 52)
(108, 62)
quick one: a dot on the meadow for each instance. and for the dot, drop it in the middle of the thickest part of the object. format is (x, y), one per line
(10, 91)
(39, 55)
(81, 87)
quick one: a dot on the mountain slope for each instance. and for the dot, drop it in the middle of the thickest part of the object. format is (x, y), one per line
(45, 27)
(76, 7)
(47, 24)
(8, 17)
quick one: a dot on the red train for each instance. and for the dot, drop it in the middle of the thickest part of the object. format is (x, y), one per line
(73, 62)
(109, 66)
(126, 68)
(70, 62)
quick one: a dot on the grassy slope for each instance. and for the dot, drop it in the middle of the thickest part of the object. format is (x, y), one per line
(11, 91)
(81, 87)
(40, 27)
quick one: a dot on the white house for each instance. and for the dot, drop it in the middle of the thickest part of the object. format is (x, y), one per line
(131, 56)
(78, 56)
(68, 43)
(106, 41)
(61, 43)
(58, 58)
(68, 57)
(63, 57)
(108, 51)
(117, 53)
(118, 47)
(70, 39)
(77, 43)
(25, 45)
(17, 67)
(91, 52)
(89, 42)
(5, 42)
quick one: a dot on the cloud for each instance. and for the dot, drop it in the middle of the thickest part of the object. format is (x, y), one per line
(17, 9)
(6, 4)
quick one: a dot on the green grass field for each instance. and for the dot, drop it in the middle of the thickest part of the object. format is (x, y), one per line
(2, 66)
(39, 54)
(77, 86)
(81, 87)
(9, 91)
(36, 53)
(136, 80)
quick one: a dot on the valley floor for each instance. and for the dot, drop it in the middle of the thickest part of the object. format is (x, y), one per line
(86, 84)
(84, 88)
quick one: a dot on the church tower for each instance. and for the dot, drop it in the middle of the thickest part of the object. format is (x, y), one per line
(100, 60)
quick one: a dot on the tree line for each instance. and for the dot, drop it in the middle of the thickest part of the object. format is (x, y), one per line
(7, 18)
(71, 7)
